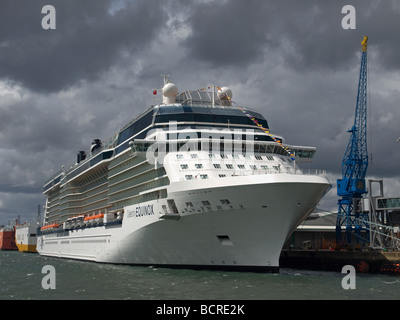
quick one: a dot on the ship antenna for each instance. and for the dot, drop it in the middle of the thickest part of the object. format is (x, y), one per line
(165, 78)
(38, 213)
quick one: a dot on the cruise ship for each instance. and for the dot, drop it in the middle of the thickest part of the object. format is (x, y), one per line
(194, 181)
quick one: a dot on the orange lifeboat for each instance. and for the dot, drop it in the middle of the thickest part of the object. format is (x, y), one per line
(50, 227)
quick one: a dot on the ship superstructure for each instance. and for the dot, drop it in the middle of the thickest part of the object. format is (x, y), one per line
(191, 181)
(26, 236)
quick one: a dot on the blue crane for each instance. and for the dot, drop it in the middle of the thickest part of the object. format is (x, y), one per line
(351, 187)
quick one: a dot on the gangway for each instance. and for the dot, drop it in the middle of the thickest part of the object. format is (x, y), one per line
(384, 213)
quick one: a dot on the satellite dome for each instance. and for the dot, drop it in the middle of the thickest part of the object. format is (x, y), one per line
(170, 91)
(224, 93)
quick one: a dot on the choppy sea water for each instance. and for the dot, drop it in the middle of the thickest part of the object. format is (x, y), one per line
(21, 279)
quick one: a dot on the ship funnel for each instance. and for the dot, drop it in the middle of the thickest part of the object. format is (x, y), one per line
(80, 156)
(170, 92)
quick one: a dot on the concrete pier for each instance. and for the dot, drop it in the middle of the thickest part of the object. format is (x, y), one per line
(326, 260)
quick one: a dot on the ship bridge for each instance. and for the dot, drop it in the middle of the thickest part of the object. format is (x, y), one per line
(205, 115)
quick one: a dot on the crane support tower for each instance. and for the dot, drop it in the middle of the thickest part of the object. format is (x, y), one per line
(351, 187)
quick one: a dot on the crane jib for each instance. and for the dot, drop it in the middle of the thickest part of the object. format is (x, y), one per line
(352, 186)
(355, 160)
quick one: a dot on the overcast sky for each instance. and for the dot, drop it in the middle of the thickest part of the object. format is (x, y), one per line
(291, 60)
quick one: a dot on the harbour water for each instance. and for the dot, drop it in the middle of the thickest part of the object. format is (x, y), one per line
(21, 279)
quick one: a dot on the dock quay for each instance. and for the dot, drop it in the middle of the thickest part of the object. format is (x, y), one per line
(334, 260)
(312, 246)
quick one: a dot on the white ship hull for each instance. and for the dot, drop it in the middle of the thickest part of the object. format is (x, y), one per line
(191, 182)
(246, 232)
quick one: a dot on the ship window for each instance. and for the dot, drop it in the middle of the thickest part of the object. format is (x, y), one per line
(189, 204)
(203, 114)
(198, 166)
(206, 203)
(184, 166)
(247, 157)
(222, 175)
(211, 155)
(229, 166)
(193, 156)
(225, 201)
(253, 167)
(188, 177)
(179, 156)
(264, 167)
(276, 168)
(223, 237)
(172, 206)
(270, 158)
(217, 166)
(258, 157)
(224, 156)
(235, 156)
(204, 176)
(133, 129)
(240, 166)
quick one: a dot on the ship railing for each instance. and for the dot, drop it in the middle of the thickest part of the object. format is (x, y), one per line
(303, 154)
(91, 160)
(205, 97)
(140, 115)
(53, 180)
(311, 172)
(235, 173)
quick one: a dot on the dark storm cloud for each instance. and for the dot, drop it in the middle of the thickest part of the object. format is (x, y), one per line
(308, 34)
(20, 189)
(33, 125)
(321, 44)
(89, 38)
(227, 33)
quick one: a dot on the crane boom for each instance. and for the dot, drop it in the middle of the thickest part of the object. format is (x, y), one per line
(355, 161)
